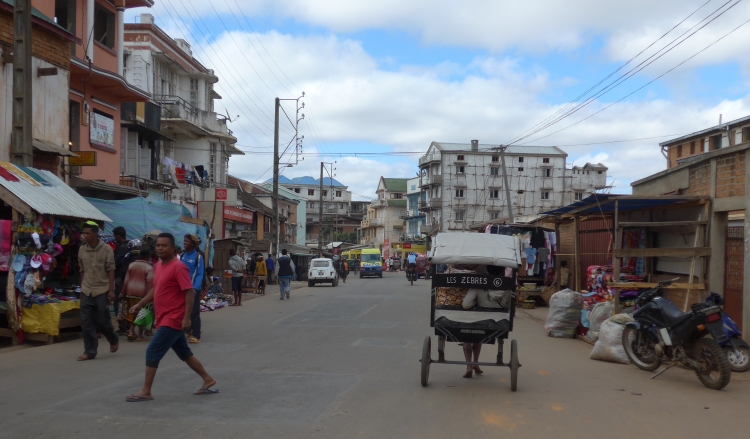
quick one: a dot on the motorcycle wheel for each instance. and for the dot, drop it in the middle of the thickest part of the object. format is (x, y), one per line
(715, 372)
(649, 361)
(739, 358)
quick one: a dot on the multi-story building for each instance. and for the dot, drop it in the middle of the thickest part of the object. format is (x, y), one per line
(415, 219)
(50, 64)
(463, 183)
(197, 144)
(384, 221)
(710, 139)
(97, 89)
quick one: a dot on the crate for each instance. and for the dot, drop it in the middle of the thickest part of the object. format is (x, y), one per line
(528, 304)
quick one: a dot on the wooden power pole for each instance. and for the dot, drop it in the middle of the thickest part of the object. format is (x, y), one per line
(22, 152)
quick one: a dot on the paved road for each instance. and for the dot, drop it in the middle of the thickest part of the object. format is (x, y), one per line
(343, 363)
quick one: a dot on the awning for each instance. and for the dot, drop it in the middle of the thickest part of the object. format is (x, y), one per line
(109, 187)
(605, 203)
(146, 131)
(44, 146)
(30, 190)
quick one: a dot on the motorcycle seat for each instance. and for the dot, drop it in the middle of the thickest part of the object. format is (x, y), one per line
(673, 316)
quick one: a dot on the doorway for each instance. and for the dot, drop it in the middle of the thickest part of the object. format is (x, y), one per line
(734, 273)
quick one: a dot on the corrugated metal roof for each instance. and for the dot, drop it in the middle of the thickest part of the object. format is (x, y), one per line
(48, 195)
(512, 149)
(307, 181)
(603, 203)
(721, 127)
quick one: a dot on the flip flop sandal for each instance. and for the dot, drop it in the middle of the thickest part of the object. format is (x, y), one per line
(193, 340)
(206, 392)
(114, 348)
(138, 398)
(131, 337)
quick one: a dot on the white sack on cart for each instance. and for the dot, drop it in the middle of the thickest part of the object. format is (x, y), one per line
(476, 249)
(564, 314)
(609, 346)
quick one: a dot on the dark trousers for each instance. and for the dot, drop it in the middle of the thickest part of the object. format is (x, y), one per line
(269, 280)
(95, 316)
(195, 317)
(122, 324)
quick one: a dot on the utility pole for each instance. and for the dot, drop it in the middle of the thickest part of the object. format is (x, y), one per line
(275, 196)
(22, 149)
(505, 183)
(320, 212)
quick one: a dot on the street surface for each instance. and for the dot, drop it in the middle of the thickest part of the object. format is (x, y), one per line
(343, 363)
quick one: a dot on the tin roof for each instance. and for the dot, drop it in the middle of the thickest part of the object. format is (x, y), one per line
(511, 150)
(604, 204)
(44, 193)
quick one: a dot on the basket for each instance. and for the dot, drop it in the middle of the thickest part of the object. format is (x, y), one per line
(528, 304)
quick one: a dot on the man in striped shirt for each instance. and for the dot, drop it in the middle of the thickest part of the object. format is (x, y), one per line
(194, 262)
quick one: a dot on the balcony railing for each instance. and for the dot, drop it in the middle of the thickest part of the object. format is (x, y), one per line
(427, 158)
(174, 107)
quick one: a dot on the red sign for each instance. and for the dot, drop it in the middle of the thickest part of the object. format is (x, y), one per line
(234, 214)
(407, 245)
(221, 194)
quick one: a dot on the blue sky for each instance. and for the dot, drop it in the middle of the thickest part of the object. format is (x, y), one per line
(394, 76)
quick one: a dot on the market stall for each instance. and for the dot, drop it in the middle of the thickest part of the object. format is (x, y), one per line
(40, 231)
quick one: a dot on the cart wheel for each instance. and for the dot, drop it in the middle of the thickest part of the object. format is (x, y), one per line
(426, 348)
(513, 365)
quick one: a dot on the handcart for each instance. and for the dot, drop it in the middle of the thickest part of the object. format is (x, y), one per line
(495, 259)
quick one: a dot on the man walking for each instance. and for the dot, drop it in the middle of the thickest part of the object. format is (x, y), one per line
(121, 269)
(286, 270)
(97, 263)
(238, 273)
(270, 267)
(173, 297)
(194, 262)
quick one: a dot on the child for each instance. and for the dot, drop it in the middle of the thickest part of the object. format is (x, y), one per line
(139, 280)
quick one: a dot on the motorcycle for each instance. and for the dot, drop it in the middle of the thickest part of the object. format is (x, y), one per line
(661, 333)
(737, 350)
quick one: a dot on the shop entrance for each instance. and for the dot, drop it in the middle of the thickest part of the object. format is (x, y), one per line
(733, 274)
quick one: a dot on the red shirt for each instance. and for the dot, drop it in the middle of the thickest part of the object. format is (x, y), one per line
(170, 282)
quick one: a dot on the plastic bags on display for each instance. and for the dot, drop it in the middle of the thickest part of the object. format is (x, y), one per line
(609, 346)
(599, 313)
(564, 314)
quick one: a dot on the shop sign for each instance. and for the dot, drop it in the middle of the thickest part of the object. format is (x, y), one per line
(239, 215)
(387, 248)
(85, 158)
(102, 131)
(227, 195)
(407, 245)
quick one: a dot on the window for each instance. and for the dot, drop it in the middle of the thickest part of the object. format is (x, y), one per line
(397, 196)
(715, 142)
(692, 147)
(459, 193)
(338, 194)
(579, 196)
(311, 192)
(520, 169)
(297, 190)
(599, 172)
(745, 135)
(545, 160)
(732, 137)
(460, 158)
(520, 160)
(494, 193)
(495, 158)
(325, 193)
(311, 205)
(104, 26)
(194, 92)
(65, 14)
(545, 195)
(459, 215)
(459, 169)
(679, 150)
(494, 170)
(494, 215)
(165, 80)
(547, 172)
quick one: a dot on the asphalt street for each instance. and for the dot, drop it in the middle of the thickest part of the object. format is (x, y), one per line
(343, 363)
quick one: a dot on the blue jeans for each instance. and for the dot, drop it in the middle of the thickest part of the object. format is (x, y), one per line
(164, 339)
(285, 285)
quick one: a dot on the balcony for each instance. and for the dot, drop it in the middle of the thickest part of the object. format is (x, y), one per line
(428, 159)
(429, 181)
(176, 108)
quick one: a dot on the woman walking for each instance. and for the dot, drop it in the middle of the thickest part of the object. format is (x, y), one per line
(344, 270)
(262, 272)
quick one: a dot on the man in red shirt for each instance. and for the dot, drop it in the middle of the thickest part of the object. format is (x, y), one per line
(172, 295)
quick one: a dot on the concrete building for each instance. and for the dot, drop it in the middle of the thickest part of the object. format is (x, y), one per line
(710, 139)
(196, 138)
(415, 219)
(291, 208)
(384, 221)
(463, 183)
(50, 65)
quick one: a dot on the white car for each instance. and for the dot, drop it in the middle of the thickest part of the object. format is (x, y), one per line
(322, 271)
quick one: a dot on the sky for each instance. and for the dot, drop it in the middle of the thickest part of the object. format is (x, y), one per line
(383, 79)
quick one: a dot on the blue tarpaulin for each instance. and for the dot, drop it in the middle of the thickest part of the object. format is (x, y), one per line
(140, 216)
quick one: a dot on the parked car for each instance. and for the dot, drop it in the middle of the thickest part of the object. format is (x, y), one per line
(322, 271)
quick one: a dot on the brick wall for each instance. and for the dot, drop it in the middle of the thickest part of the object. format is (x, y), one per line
(730, 175)
(700, 180)
(47, 162)
(44, 44)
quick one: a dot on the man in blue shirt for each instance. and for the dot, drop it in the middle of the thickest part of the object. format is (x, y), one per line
(413, 264)
(194, 262)
(270, 266)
